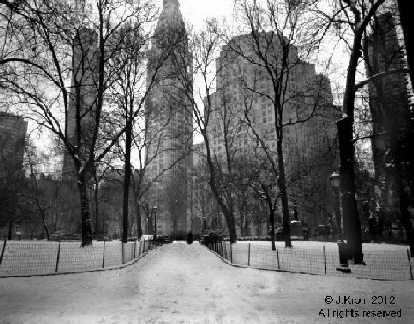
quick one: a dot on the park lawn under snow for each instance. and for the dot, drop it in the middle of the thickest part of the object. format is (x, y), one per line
(180, 283)
(331, 245)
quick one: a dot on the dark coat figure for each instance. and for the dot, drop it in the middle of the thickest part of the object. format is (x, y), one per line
(372, 224)
(380, 229)
(190, 237)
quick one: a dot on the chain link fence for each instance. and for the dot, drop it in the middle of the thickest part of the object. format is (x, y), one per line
(19, 258)
(385, 265)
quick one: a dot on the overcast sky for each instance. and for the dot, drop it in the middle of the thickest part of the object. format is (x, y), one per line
(195, 11)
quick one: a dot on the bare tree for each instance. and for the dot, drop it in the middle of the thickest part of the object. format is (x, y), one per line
(357, 16)
(205, 46)
(407, 27)
(51, 32)
(392, 127)
(44, 194)
(268, 61)
(12, 181)
(12, 186)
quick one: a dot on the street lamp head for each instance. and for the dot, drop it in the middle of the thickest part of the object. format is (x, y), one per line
(335, 180)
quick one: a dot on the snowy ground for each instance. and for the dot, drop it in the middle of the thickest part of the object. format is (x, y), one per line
(180, 283)
(366, 247)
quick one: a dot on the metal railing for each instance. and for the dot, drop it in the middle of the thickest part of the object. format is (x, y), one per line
(25, 258)
(388, 265)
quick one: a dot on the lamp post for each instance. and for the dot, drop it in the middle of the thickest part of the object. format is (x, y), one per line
(335, 180)
(154, 212)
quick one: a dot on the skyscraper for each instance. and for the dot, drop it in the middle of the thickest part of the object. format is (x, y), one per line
(169, 123)
(392, 117)
(82, 97)
(245, 87)
(12, 142)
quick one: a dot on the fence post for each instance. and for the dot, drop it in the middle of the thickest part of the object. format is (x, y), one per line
(103, 256)
(324, 257)
(231, 254)
(135, 248)
(409, 263)
(2, 252)
(227, 252)
(57, 258)
(248, 257)
(123, 254)
(277, 257)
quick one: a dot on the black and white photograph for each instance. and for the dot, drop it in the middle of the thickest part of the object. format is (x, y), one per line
(203, 162)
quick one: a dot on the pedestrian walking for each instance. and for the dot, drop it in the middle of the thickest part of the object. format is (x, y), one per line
(372, 222)
(379, 229)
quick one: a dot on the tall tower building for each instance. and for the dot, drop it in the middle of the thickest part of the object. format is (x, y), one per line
(245, 86)
(12, 142)
(169, 123)
(391, 114)
(83, 94)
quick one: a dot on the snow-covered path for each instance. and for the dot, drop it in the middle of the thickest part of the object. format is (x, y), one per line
(180, 283)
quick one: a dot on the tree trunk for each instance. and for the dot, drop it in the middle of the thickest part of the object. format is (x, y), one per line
(86, 217)
(352, 225)
(407, 26)
(267, 226)
(227, 210)
(138, 211)
(281, 182)
(405, 215)
(351, 221)
(45, 225)
(96, 208)
(272, 231)
(9, 233)
(231, 224)
(136, 192)
(405, 218)
(229, 216)
(127, 180)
